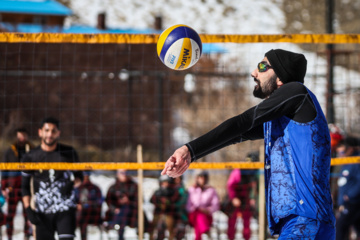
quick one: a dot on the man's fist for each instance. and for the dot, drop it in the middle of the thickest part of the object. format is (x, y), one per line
(32, 216)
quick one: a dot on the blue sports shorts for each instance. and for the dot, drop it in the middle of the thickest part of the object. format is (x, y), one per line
(297, 227)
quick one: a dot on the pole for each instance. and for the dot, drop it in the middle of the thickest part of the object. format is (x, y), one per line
(140, 194)
(330, 111)
(262, 215)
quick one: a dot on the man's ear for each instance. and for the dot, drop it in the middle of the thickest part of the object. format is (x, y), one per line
(279, 83)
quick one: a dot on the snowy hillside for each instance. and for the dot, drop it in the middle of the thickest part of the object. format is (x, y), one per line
(211, 16)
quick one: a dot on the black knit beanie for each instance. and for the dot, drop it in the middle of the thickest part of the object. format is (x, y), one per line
(288, 66)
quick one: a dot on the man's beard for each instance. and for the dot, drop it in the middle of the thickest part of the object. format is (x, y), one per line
(50, 143)
(269, 87)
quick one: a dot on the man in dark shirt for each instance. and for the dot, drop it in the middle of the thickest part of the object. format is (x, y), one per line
(11, 180)
(55, 206)
(297, 148)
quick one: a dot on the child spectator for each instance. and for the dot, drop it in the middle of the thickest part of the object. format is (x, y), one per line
(181, 216)
(203, 201)
(241, 201)
(164, 200)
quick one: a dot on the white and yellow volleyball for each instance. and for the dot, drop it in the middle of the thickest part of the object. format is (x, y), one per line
(179, 47)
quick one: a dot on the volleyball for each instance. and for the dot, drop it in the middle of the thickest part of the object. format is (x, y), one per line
(179, 47)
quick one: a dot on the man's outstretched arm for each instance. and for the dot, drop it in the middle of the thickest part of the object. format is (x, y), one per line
(285, 101)
(179, 162)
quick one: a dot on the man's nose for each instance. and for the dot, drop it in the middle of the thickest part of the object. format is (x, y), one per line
(254, 73)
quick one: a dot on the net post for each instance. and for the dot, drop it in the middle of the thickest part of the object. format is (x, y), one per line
(140, 194)
(262, 220)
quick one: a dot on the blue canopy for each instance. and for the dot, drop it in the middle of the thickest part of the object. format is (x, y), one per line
(38, 7)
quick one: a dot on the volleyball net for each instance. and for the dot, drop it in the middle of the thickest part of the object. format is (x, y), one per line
(112, 94)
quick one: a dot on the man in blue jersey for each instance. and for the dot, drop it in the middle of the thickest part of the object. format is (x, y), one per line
(297, 148)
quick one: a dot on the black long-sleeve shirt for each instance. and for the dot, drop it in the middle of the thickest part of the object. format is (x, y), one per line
(50, 186)
(291, 100)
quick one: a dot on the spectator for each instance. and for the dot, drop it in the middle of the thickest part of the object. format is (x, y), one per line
(241, 201)
(89, 207)
(11, 181)
(337, 135)
(349, 190)
(55, 206)
(202, 202)
(164, 200)
(122, 200)
(181, 216)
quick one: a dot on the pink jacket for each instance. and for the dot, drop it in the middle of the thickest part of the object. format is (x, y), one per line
(206, 198)
(233, 181)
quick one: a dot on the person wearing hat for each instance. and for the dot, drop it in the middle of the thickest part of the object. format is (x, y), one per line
(164, 200)
(297, 148)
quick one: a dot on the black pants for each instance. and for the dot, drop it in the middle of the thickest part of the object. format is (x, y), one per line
(64, 223)
(349, 217)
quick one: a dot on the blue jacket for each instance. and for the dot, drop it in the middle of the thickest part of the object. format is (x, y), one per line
(297, 169)
(349, 184)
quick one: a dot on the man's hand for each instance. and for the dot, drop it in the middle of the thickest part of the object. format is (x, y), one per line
(178, 163)
(32, 216)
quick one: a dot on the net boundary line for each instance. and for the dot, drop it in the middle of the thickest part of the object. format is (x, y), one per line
(152, 38)
(88, 166)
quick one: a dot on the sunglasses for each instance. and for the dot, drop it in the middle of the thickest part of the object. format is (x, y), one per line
(263, 66)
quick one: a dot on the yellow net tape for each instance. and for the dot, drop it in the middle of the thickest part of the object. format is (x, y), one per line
(149, 165)
(152, 38)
